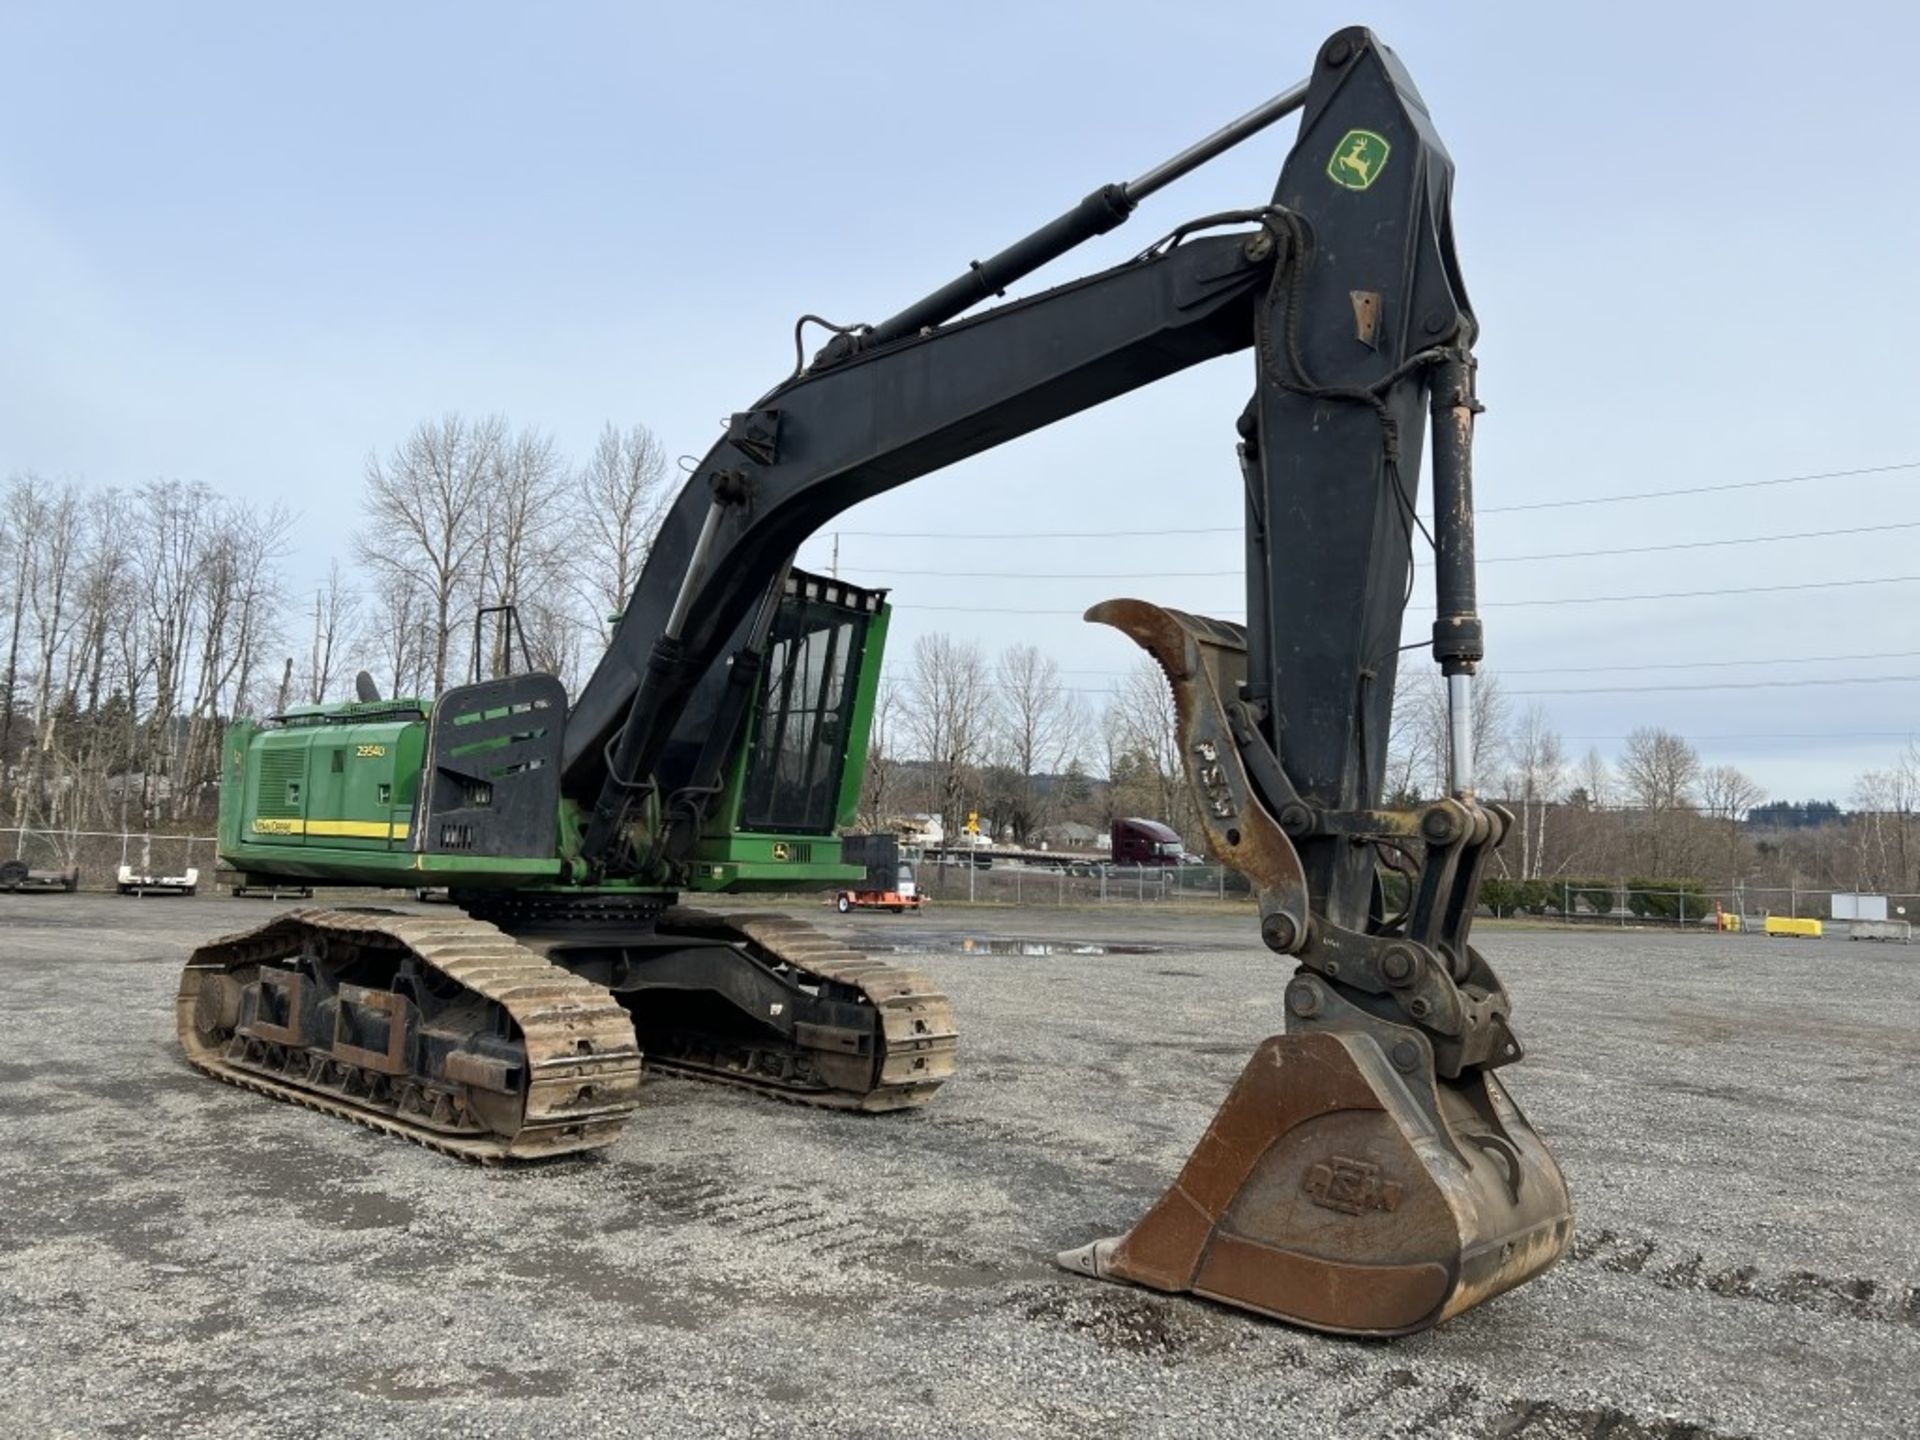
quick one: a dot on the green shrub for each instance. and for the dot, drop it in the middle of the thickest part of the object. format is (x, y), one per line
(1506, 897)
(1395, 890)
(1595, 895)
(1666, 899)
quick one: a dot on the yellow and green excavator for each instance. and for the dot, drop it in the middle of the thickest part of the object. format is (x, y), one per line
(1369, 1172)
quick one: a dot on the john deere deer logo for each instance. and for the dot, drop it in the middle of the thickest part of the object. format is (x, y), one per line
(1358, 159)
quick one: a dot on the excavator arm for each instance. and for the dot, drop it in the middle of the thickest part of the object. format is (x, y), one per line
(1369, 1172)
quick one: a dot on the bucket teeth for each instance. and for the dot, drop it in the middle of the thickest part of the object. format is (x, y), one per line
(1089, 1259)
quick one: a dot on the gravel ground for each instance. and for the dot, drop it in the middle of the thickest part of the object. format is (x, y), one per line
(1737, 1118)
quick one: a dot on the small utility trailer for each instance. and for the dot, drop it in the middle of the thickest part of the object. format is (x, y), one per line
(131, 882)
(16, 875)
(889, 883)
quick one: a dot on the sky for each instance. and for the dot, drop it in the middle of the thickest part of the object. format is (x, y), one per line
(251, 245)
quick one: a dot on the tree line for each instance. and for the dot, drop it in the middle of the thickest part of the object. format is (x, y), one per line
(137, 622)
(957, 734)
(1005, 738)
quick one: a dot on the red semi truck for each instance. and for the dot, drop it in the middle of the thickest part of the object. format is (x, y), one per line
(1147, 842)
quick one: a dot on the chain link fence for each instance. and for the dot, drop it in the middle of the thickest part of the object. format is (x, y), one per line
(98, 855)
(1815, 904)
(1091, 883)
(1621, 903)
(1573, 902)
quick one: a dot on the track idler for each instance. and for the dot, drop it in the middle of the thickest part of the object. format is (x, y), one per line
(1325, 1194)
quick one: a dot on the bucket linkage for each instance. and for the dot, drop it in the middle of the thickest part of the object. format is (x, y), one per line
(1368, 1173)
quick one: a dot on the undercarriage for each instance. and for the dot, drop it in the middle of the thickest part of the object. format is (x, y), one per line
(491, 1045)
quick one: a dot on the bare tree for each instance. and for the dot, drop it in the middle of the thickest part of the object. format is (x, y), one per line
(428, 518)
(1905, 802)
(105, 606)
(138, 626)
(1416, 757)
(1726, 795)
(39, 534)
(1535, 778)
(620, 497)
(19, 518)
(1490, 722)
(519, 559)
(1142, 722)
(1039, 725)
(336, 615)
(1884, 804)
(1417, 742)
(1594, 780)
(239, 608)
(172, 549)
(877, 790)
(946, 717)
(554, 636)
(397, 637)
(1659, 771)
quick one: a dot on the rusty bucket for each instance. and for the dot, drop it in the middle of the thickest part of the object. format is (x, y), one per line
(1326, 1194)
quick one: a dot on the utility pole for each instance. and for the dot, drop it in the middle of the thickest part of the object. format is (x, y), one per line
(835, 567)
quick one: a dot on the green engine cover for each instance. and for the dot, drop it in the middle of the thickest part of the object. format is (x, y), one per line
(330, 794)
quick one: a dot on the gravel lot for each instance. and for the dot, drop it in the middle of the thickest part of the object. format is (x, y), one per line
(1739, 1120)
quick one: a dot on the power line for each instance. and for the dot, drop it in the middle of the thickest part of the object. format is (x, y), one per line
(1698, 489)
(1236, 573)
(1775, 735)
(889, 571)
(1035, 534)
(1702, 594)
(1619, 689)
(1481, 510)
(1503, 671)
(1701, 544)
(1016, 610)
(1709, 664)
(1519, 604)
(1726, 685)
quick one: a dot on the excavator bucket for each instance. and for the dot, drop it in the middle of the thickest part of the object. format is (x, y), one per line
(1323, 1194)
(1368, 1173)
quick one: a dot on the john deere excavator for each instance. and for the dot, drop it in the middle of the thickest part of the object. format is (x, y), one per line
(1368, 1173)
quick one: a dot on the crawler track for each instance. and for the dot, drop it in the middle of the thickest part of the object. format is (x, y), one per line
(899, 1065)
(496, 1053)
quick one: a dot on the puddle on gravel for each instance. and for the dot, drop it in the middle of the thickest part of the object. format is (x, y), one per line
(986, 945)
